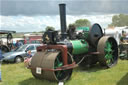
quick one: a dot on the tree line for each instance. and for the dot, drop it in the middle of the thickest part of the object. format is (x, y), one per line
(117, 21)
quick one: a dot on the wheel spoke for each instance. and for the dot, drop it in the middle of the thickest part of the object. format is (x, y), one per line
(58, 63)
(108, 52)
(59, 74)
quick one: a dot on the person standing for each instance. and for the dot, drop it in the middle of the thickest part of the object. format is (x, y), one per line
(71, 32)
(123, 50)
(0, 62)
(122, 41)
(123, 38)
(18, 44)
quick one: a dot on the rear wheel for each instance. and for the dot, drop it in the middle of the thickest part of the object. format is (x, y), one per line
(108, 48)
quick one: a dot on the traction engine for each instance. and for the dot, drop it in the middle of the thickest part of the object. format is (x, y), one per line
(58, 56)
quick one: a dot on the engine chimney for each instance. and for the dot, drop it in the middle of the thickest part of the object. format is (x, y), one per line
(63, 21)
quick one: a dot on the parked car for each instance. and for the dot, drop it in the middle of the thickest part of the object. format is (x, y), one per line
(20, 53)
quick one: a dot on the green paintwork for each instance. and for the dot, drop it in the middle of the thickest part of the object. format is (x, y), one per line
(57, 64)
(85, 31)
(83, 28)
(79, 46)
(108, 52)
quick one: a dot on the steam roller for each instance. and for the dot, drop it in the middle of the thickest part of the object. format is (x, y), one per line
(86, 46)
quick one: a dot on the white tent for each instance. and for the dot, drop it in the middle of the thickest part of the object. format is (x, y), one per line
(116, 32)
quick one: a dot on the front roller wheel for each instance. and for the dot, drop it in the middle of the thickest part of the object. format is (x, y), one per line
(108, 48)
(51, 60)
(63, 74)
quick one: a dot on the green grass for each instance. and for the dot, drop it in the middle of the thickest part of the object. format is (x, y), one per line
(17, 74)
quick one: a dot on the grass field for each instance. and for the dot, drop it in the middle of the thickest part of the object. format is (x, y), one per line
(17, 74)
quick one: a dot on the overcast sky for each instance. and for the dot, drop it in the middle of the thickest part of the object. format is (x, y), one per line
(35, 15)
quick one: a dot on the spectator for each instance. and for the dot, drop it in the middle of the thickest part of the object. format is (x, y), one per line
(123, 39)
(0, 62)
(27, 61)
(18, 44)
(29, 54)
(72, 32)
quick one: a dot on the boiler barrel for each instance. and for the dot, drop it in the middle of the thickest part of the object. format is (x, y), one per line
(79, 47)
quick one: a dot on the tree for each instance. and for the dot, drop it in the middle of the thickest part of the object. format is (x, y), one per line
(49, 28)
(82, 23)
(119, 20)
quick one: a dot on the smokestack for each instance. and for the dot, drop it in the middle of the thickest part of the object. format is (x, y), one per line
(63, 21)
